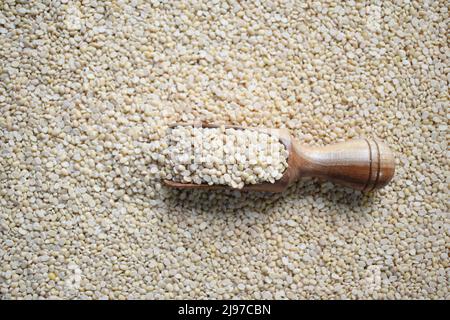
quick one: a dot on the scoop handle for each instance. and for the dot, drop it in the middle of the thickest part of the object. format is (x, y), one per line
(361, 164)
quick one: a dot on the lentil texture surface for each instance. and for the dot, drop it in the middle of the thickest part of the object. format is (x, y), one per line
(223, 156)
(87, 90)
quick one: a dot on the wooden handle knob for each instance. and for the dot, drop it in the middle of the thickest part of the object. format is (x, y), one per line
(361, 164)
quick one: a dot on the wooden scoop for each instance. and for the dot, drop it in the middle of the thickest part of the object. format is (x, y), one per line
(361, 164)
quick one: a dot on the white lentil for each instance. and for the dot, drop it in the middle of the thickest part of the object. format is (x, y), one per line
(197, 155)
(87, 93)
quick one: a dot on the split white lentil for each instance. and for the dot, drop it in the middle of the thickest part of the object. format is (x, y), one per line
(224, 156)
(87, 91)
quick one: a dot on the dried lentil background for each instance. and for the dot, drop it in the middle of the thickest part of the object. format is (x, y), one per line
(86, 86)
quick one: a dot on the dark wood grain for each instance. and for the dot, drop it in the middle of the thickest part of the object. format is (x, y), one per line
(360, 164)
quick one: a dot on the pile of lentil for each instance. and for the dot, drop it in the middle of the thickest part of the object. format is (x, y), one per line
(224, 156)
(87, 90)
